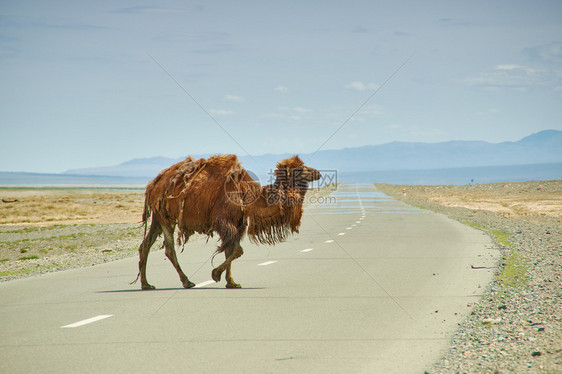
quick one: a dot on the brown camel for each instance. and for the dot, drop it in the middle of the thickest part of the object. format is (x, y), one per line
(216, 195)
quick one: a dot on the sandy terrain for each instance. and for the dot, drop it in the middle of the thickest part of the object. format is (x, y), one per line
(521, 199)
(51, 229)
(47, 206)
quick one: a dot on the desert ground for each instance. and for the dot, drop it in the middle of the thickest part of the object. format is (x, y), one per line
(64, 206)
(51, 229)
(530, 200)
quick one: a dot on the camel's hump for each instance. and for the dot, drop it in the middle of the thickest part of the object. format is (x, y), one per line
(223, 161)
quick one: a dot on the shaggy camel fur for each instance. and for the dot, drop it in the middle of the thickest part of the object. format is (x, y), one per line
(216, 195)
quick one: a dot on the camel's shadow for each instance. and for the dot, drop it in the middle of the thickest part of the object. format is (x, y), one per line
(182, 289)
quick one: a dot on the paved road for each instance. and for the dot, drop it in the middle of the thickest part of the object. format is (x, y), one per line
(369, 285)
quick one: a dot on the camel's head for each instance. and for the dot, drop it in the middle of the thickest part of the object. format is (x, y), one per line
(292, 172)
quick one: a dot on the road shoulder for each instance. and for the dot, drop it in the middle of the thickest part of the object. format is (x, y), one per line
(516, 326)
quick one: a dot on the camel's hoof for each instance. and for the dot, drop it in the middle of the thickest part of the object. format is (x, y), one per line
(188, 284)
(147, 287)
(233, 285)
(216, 275)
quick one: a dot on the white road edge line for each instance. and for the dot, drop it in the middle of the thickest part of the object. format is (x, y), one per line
(87, 321)
(203, 284)
(307, 250)
(267, 263)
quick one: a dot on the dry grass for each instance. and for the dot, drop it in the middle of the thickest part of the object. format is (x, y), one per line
(50, 206)
(514, 199)
(39, 206)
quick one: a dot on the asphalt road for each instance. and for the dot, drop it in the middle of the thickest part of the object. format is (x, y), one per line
(369, 285)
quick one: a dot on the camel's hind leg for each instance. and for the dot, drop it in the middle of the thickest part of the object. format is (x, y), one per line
(231, 251)
(171, 254)
(236, 252)
(144, 249)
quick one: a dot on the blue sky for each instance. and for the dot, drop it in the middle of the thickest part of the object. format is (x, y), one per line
(98, 83)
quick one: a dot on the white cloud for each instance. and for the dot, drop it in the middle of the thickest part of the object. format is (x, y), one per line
(356, 86)
(150, 10)
(512, 76)
(546, 53)
(277, 115)
(221, 112)
(487, 112)
(234, 98)
(508, 67)
(373, 109)
(281, 88)
(294, 114)
(395, 126)
(360, 86)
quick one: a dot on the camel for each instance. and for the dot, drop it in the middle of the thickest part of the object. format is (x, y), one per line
(217, 195)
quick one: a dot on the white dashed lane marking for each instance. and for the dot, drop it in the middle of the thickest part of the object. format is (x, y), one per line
(307, 250)
(329, 241)
(267, 263)
(341, 233)
(203, 284)
(87, 321)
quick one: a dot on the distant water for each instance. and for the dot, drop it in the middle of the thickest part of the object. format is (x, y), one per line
(61, 180)
(459, 176)
(474, 175)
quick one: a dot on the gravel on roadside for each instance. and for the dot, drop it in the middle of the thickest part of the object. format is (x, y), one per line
(31, 250)
(516, 327)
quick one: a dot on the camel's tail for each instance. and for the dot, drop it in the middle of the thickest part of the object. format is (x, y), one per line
(145, 216)
(136, 279)
(146, 213)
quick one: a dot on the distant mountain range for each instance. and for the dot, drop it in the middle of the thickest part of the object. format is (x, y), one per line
(540, 148)
(535, 157)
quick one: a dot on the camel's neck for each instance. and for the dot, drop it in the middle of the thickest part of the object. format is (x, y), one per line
(275, 214)
(289, 182)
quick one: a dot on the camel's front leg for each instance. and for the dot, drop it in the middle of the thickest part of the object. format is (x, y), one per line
(171, 254)
(231, 254)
